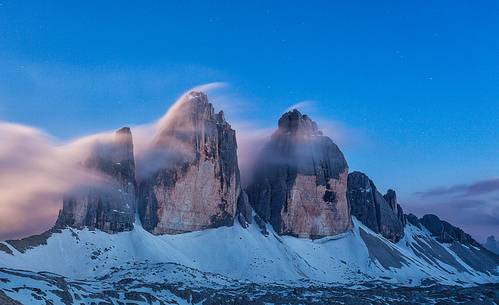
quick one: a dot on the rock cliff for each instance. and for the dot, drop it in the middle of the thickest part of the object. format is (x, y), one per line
(382, 214)
(300, 184)
(111, 205)
(200, 189)
(444, 232)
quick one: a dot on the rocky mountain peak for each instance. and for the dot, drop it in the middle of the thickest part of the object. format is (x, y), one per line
(299, 184)
(201, 190)
(445, 232)
(111, 206)
(295, 123)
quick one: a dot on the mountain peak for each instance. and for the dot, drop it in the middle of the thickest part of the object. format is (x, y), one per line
(295, 122)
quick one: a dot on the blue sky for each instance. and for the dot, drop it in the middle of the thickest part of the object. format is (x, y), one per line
(414, 86)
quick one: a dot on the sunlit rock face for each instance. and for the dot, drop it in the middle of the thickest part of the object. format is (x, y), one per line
(300, 184)
(382, 214)
(111, 205)
(199, 188)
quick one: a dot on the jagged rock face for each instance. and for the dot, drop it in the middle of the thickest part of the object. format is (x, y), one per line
(301, 179)
(444, 232)
(244, 210)
(199, 190)
(111, 206)
(391, 199)
(414, 220)
(380, 213)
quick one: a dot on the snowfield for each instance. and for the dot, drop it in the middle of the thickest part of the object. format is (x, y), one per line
(236, 265)
(245, 254)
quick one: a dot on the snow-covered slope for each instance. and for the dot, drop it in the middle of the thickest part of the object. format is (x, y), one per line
(245, 254)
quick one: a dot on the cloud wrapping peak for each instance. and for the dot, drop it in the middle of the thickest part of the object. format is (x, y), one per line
(34, 174)
(36, 171)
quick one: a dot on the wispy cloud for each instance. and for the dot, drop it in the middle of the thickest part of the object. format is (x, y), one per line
(478, 188)
(35, 171)
(474, 206)
(303, 106)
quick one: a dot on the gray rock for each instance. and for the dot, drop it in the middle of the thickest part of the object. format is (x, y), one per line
(299, 185)
(111, 205)
(262, 225)
(200, 188)
(244, 210)
(444, 232)
(372, 209)
(414, 220)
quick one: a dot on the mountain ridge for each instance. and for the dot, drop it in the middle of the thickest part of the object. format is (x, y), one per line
(304, 220)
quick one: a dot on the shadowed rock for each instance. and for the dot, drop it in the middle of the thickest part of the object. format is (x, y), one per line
(300, 184)
(388, 257)
(372, 209)
(244, 210)
(413, 219)
(200, 188)
(30, 242)
(444, 232)
(111, 205)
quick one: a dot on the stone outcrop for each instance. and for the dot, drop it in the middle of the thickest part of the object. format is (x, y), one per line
(111, 205)
(300, 184)
(391, 199)
(244, 210)
(444, 232)
(413, 220)
(382, 214)
(199, 189)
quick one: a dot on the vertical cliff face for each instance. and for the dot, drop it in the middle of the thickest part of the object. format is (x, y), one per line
(391, 198)
(300, 183)
(111, 206)
(382, 214)
(199, 189)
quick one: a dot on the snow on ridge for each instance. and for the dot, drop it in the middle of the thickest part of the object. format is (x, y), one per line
(246, 255)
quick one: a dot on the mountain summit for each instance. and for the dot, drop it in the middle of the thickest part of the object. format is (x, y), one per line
(200, 190)
(111, 205)
(300, 184)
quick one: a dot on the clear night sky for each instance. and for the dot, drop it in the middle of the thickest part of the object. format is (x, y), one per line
(414, 87)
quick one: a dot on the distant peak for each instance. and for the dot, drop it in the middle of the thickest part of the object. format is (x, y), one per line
(297, 123)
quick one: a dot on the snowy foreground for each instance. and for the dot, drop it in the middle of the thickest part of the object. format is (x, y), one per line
(245, 266)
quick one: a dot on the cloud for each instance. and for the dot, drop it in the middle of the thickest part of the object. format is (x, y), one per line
(478, 188)
(473, 206)
(35, 171)
(303, 106)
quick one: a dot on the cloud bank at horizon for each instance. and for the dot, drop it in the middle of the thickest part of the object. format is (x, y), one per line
(473, 206)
